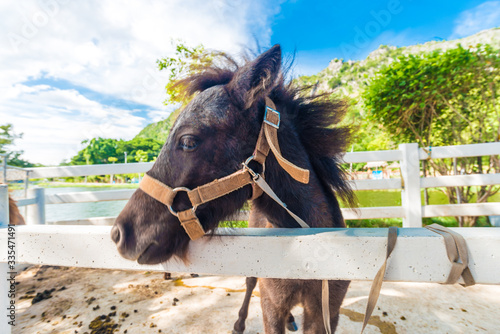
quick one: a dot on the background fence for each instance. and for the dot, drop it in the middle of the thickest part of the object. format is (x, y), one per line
(419, 255)
(410, 183)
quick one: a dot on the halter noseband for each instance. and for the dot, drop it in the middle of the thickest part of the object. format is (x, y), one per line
(267, 140)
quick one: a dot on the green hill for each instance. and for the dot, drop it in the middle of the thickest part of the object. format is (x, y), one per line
(159, 130)
(348, 77)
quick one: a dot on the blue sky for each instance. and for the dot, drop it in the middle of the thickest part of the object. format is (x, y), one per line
(72, 70)
(322, 30)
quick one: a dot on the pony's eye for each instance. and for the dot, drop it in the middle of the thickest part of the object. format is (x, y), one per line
(188, 143)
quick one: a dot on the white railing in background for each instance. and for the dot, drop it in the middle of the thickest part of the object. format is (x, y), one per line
(409, 156)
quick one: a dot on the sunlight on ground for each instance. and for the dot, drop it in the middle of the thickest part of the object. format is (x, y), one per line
(144, 302)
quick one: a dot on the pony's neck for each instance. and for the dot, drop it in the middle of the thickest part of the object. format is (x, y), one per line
(314, 202)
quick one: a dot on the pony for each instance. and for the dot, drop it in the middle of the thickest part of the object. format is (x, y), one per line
(213, 135)
(15, 217)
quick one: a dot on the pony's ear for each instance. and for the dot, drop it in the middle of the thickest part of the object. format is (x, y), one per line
(257, 78)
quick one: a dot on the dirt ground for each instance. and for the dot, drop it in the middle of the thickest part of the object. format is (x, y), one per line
(75, 300)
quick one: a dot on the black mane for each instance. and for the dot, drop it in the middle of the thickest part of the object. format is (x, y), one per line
(316, 119)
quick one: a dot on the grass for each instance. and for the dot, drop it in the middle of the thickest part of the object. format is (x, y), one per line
(234, 224)
(386, 222)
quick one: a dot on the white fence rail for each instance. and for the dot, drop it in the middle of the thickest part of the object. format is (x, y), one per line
(409, 155)
(86, 170)
(419, 256)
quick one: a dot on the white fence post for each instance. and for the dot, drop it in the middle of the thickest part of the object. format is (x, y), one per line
(410, 194)
(4, 168)
(36, 212)
(4, 205)
(4, 268)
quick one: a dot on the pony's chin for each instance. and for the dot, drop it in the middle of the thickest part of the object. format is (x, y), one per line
(154, 254)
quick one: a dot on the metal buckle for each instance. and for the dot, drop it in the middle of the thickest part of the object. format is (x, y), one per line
(277, 126)
(255, 176)
(175, 191)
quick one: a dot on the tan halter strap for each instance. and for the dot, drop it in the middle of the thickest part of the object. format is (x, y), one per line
(203, 194)
(268, 140)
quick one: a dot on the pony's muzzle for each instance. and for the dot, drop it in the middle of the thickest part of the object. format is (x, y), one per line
(119, 237)
(115, 234)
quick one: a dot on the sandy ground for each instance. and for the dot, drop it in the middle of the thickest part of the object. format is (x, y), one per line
(143, 302)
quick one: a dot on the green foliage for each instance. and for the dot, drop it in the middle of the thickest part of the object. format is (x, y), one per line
(159, 130)
(187, 61)
(439, 98)
(7, 138)
(104, 150)
(141, 156)
(151, 147)
(367, 136)
(442, 98)
(334, 82)
(374, 223)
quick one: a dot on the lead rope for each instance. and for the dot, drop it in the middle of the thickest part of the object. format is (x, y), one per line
(392, 236)
(456, 250)
(458, 254)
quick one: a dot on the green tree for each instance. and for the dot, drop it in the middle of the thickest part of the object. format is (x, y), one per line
(7, 138)
(104, 150)
(97, 151)
(187, 61)
(141, 156)
(439, 98)
(151, 147)
(442, 98)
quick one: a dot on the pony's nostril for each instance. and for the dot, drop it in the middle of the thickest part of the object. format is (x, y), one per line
(115, 234)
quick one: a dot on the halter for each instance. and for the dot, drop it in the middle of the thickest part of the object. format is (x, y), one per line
(267, 141)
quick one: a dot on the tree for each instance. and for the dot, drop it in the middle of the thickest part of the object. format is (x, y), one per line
(104, 150)
(187, 61)
(97, 151)
(141, 156)
(442, 98)
(7, 138)
(151, 147)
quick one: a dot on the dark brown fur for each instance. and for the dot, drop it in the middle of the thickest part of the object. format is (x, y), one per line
(224, 118)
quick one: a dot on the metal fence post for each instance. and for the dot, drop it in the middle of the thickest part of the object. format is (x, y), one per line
(36, 212)
(410, 194)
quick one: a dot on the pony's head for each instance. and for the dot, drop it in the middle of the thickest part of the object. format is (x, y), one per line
(210, 139)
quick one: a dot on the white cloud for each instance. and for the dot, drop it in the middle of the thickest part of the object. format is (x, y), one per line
(484, 16)
(107, 47)
(55, 121)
